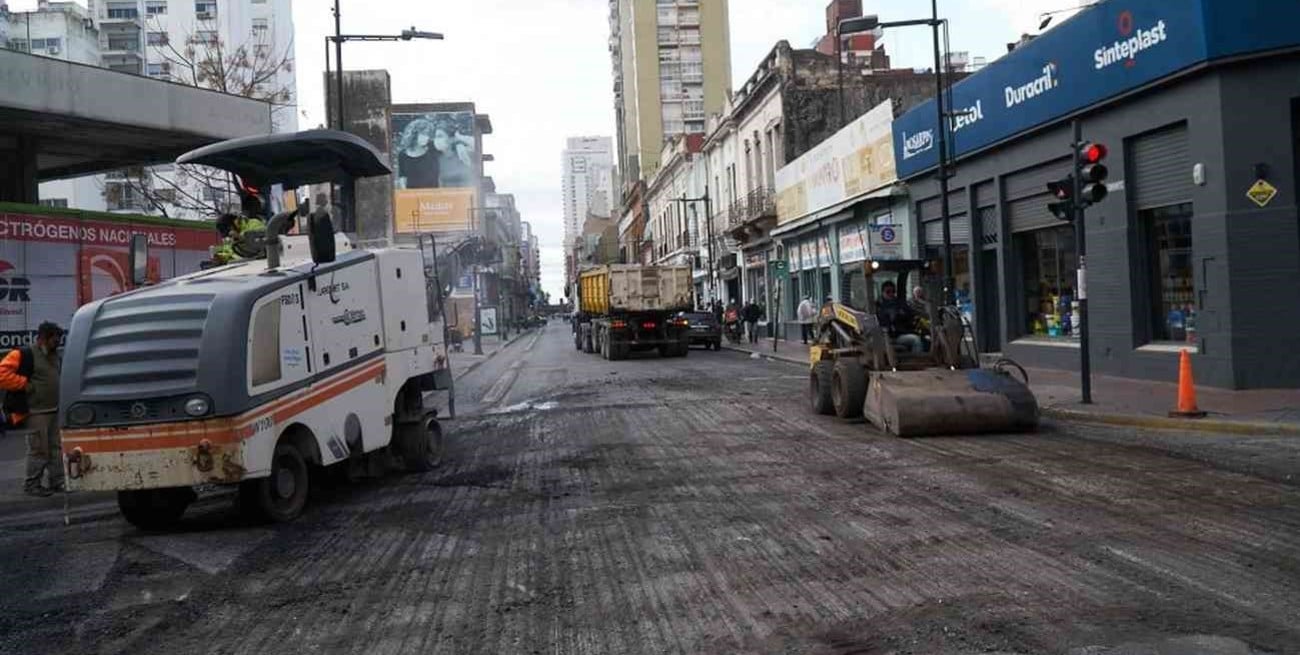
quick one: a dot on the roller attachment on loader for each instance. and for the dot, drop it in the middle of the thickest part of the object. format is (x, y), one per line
(858, 370)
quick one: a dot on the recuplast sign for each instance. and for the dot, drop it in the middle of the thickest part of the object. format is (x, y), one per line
(1103, 51)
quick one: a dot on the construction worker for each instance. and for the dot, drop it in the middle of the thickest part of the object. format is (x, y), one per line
(30, 377)
(242, 236)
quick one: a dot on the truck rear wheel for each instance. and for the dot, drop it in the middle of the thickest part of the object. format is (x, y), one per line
(848, 388)
(819, 387)
(421, 445)
(154, 509)
(587, 346)
(281, 496)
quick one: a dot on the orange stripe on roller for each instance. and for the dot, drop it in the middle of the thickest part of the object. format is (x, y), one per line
(218, 431)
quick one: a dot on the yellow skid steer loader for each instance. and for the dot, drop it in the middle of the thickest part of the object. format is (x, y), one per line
(927, 382)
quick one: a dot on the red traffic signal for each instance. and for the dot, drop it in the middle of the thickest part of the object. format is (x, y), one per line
(1094, 152)
(1092, 173)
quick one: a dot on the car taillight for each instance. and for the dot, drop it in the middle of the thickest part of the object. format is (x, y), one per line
(618, 325)
(648, 325)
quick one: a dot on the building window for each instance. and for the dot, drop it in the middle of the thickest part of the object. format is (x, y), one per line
(163, 69)
(155, 8)
(129, 44)
(123, 10)
(1169, 256)
(205, 9)
(205, 36)
(19, 45)
(260, 25)
(60, 203)
(264, 354)
(157, 38)
(1049, 262)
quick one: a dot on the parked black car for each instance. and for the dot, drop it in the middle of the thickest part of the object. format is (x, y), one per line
(704, 329)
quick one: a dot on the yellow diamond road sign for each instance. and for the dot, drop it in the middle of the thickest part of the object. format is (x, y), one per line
(1261, 192)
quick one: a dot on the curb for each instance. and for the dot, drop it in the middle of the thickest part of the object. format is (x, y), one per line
(774, 356)
(1245, 428)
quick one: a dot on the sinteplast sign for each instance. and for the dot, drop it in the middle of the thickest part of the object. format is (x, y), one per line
(1104, 51)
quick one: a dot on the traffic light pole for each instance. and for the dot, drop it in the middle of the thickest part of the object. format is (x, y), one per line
(1081, 290)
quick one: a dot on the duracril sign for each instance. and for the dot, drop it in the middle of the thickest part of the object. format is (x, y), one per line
(1103, 51)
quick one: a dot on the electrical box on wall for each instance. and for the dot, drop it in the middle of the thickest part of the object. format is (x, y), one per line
(1198, 174)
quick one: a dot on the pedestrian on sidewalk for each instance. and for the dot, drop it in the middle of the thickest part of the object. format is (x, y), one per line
(751, 313)
(30, 377)
(806, 313)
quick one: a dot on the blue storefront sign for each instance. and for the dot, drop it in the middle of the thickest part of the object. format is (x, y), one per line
(1104, 51)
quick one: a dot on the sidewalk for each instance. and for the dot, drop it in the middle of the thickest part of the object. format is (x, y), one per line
(1125, 401)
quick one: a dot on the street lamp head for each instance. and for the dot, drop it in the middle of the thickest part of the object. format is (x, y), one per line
(413, 33)
(858, 25)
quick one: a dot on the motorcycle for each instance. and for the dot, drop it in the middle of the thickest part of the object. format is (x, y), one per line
(732, 328)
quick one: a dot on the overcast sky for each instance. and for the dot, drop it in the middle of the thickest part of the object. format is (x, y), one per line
(541, 68)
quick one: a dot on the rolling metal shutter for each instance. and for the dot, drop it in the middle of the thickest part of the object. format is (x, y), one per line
(1162, 170)
(958, 224)
(1027, 196)
(928, 209)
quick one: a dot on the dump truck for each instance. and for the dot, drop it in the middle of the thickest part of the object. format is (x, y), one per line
(932, 385)
(254, 373)
(625, 308)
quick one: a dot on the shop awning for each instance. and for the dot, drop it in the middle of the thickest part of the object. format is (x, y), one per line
(813, 217)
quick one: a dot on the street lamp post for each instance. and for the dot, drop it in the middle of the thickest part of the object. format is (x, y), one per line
(338, 38)
(868, 23)
(708, 206)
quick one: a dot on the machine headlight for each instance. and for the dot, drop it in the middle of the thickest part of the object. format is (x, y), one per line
(198, 406)
(81, 415)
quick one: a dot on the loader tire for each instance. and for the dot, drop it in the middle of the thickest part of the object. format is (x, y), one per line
(848, 388)
(819, 387)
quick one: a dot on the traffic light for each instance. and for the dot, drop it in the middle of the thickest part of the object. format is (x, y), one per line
(1063, 191)
(1092, 172)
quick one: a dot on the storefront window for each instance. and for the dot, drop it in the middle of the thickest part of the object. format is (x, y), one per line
(1173, 299)
(961, 278)
(1049, 261)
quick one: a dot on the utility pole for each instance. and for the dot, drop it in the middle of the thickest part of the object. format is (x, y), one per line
(949, 293)
(338, 63)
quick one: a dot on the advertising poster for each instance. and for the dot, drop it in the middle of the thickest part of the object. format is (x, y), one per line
(852, 247)
(435, 171)
(51, 265)
(853, 161)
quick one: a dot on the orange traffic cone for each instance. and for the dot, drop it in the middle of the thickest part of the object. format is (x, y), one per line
(1186, 389)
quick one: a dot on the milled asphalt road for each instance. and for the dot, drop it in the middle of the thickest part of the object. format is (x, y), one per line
(695, 506)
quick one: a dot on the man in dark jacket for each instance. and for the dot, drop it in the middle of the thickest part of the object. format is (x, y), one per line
(751, 314)
(30, 378)
(898, 319)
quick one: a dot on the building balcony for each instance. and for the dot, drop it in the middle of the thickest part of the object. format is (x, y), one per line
(753, 215)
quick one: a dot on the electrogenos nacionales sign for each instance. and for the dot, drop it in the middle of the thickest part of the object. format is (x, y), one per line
(1104, 51)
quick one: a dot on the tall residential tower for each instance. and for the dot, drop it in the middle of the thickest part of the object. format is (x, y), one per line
(589, 185)
(672, 68)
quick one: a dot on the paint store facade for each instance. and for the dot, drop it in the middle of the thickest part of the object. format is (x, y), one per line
(1197, 245)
